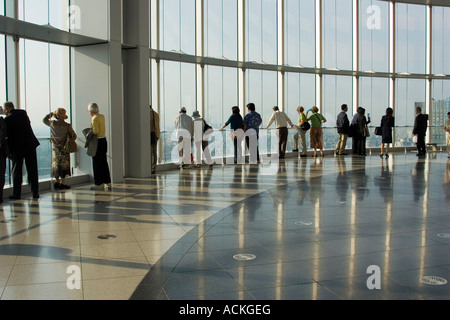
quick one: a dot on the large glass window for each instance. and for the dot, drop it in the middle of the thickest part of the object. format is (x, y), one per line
(178, 89)
(221, 35)
(337, 90)
(262, 91)
(45, 12)
(45, 86)
(3, 95)
(300, 90)
(221, 94)
(374, 97)
(337, 40)
(300, 33)
(440, 106)
(409, 94)
(261, 31)
(410, 38)
(374, 36)
(441, 40)
(178, 26)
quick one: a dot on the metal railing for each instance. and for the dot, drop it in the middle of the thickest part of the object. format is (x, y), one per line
(402, 135)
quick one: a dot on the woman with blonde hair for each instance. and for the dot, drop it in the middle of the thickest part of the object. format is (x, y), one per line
(60, 132)
(316, 130)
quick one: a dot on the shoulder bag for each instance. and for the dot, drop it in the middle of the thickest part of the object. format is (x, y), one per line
(71, 145)
(378, 131)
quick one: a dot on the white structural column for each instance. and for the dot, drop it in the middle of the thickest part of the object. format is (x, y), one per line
(137, 88)
(200, 45)
(392, 54)
(355, 52)
(319, 53)
(280, 33)
(241, 53)
(97, 77)
(12, 57)
(429, 57)
(116, 108)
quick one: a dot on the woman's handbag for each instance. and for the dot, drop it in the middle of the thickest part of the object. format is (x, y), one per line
(366, 132)
(378, 131)
(71, 145)
(305, 126)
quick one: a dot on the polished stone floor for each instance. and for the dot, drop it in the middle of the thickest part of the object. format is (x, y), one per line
(307, 229)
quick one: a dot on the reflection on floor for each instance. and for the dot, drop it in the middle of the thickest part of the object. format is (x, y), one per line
(308, 228)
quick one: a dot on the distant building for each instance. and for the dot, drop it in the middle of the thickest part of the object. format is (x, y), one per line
(438, 116)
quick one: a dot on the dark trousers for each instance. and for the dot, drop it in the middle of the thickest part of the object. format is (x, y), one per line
(359, 144)
(282, 141)
(2, 173)
(30, 158)
(154, 159)
(362, 145)
(421, 147)
(100, 164)
(252, 157)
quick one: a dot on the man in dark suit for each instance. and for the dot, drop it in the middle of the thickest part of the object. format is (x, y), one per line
(22, 147)
(420, 129)
(4, 153)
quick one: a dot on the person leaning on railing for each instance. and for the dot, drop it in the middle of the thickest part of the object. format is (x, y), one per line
(60, 130)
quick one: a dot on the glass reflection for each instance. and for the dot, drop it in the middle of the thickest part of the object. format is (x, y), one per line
(446, 185)
(342, 181)
(359, 179)
(385, 181)
(418, 180)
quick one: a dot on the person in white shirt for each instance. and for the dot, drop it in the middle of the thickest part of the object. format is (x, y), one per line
(184, 128)
(282, 121)
(202, 132)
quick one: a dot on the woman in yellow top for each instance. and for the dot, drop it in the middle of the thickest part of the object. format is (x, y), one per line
(316, 130)
(447, 129)
(100, 165)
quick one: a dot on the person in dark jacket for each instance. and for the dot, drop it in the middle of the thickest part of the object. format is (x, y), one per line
(420, 130)
(22, 147)
(343, 128)
(387, 123)
(361, 132)
(4, 153)
(236, 123)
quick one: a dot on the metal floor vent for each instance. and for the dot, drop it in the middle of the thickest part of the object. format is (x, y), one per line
(244, 257)
(303, 223)
(433, 280)
(107, 237)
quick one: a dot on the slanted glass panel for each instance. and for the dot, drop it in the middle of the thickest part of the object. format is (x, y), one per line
(410, 38)
(300, 33)
(374, 36)
(261, 31)
(337, 38)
